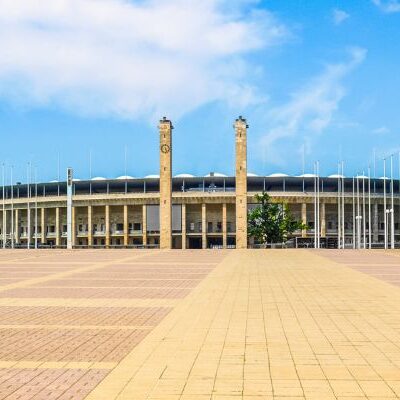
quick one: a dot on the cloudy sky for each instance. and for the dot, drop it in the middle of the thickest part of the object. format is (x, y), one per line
(317, 80)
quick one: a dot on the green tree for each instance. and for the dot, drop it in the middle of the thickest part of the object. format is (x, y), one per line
(271, 222)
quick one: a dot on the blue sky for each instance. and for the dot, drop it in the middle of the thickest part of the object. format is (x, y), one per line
(314, 77)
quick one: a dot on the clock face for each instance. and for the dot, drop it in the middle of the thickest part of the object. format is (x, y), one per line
(165, 148)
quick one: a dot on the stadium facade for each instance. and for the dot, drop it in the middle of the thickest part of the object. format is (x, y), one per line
(185, 211)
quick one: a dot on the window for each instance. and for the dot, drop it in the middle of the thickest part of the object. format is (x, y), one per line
(137, 226)
(120, 227)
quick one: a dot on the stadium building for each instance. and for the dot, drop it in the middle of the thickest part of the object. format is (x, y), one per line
(185, 211)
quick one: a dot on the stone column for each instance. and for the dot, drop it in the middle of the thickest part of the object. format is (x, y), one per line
(90, 225)
(165, 184)
(43, 225)
(183, 226)
(107, 218)
(375, 223)
(241, 182)
(323, 219)
(224, 227)
(126, 225)
(304, 219)
(58, 241)
(16, 227)
(144, 225)
(204, 225)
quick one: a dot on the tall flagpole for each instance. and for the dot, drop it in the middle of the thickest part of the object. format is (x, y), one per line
(28, 208)
(358, 214)
(36, 211)
(363, 212)
(354, 219)
(315, 206)
(4, 236)
(90, 171)
(369, 209)
(343, 231)
(126, 169)
(318, 213)
(392, 204)
(12, 208)
(384, 202)
(338, 215)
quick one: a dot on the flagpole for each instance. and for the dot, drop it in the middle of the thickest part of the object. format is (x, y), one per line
(12, 208)
(126, 169)
(343, 209)
(392, 204)
(363, 212)
(384, 202)
(318, 212)
(354, 218)
(36, 213)
(338, 215)
(4, 236)
(358, 214)
(369, 209)
(315, 205)
(28, 208)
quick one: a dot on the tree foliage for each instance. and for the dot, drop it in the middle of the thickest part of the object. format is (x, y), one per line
(271, 222)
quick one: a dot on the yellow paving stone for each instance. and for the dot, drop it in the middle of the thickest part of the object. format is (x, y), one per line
(376, 388)
(288, 388)
(306, 372)
(346, 388)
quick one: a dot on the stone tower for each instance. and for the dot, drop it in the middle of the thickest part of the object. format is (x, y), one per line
(165, 183)
(241, 182)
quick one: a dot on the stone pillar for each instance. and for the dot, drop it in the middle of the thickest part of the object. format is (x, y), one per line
(183, 226)
(58, 241)
(204, 225)
(16, 227)
(241, 183)
(126, 225)
(323, 219)
(375, 223)
(90, 225)
(144, 224)
(165, 184)
(73, 226)
(107, 218)
(224, 227)
(304, 219)
(43, 225)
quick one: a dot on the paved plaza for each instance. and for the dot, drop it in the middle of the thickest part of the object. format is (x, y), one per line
(199, 325)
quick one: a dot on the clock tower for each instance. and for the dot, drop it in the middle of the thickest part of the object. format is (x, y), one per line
(241, 182)
(165, 128)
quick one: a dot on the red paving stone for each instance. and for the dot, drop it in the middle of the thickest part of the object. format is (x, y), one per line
(83, 334)
(385, 267)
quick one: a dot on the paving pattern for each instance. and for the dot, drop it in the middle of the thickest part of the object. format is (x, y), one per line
(68, 318)
(197, 325)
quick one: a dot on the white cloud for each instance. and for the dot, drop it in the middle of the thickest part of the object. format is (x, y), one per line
(310, 110)
(339, 16)
(381, 130)
(131, 59)
(388, 6)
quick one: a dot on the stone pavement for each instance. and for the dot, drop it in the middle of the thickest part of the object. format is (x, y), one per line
(255, 324)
